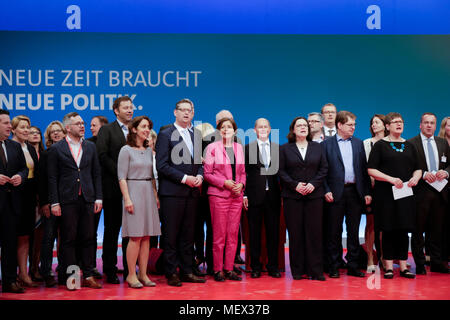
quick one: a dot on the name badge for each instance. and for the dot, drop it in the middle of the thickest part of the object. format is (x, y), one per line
(443, 159)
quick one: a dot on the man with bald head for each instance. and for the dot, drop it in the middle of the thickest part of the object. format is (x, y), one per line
(262, 198)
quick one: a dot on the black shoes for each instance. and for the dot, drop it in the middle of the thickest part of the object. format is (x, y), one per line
(389, 274)
(274, 274)
(96, 274)
(232, 275)
(256, 274)
(13, 287)
(297, 277)
(319, 278)
(112, 278)
(50, 281)
(237, 270)
(355, 273)
(438, 268)
(196, 271)
(219, 276)
(174, 281)
(407, 274)
(420, 270)
(334, 273)
(192, 278)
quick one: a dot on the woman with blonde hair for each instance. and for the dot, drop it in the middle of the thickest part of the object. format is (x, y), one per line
(444, 132)
(25, 228)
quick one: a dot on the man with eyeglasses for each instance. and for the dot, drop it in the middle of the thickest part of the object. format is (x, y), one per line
(110, 139)
(329, 112)
(315, 121)
(180, 173)
(347, 190)
(75, 194)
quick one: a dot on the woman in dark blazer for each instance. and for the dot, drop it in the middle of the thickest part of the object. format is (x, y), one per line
(27, 217)
(303, 167)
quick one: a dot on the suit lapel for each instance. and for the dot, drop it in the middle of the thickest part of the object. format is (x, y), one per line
(419, 146)
(354, 154)
(66, 150)
(337, 150)
(118, 132)
(296, 151)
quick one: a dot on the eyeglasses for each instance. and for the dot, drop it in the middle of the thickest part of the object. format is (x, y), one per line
(80, 124)
(34, 132)
(314, 121)
(185, 110)
(396, 121)
(350, 125)
(56, 131)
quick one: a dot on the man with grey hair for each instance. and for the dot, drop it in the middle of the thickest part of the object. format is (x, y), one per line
(315, 121)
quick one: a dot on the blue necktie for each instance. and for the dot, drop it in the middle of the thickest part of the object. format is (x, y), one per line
(187, 139)
(431, 157)
(265, 160)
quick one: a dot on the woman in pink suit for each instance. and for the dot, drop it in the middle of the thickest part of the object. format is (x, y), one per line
(224, 169)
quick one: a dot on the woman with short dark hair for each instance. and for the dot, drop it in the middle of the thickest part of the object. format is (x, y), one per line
(303, 167)
(393, 163)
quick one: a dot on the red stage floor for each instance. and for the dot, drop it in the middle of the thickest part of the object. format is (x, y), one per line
(433, 286)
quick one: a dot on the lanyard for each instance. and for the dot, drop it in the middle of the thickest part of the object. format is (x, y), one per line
(71, 151)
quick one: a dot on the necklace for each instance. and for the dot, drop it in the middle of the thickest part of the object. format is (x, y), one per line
(395, 148)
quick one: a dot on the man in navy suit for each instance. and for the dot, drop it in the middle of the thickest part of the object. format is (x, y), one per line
(75, 194)
(180, 173)
(347, 189)
(13, 172)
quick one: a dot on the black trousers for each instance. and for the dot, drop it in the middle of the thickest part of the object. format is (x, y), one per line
(431, 209)
(395, 245)
(51, 227)
(178, 224)
(8, 242)
(203, 217)
(77, 230)
(112, 211)
(351, 207)
(304, 224)
(270, 213)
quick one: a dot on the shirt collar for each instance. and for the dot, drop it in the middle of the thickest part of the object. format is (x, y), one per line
(424, 138)
(73, 142)
(179, 128)
(121, 125)
(339, 138)
(260, 142)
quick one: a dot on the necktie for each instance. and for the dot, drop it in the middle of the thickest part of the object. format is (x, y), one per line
(265, 160)
(431, 157)
(187, 139)
(2, 154)
(330, 132)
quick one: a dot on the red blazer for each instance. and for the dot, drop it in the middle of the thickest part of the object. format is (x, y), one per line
(217, 168)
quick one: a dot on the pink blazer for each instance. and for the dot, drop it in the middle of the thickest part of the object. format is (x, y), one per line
(217, 168)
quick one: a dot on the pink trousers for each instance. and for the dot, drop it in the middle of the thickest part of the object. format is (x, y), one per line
(225, 219)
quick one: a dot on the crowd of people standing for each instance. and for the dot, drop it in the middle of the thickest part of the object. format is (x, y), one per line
(170, 184)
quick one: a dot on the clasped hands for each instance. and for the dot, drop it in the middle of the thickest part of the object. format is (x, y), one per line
(15, 180)
(233, 186)
(432, 177)
(193, 182)
(398, 183)
(304, 188)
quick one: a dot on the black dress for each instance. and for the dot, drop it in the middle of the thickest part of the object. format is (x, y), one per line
(393, 214)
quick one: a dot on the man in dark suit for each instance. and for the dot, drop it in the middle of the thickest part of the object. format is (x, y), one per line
(262, 198)
(433, 153)
(110, 139)
(347, 189)
(180, 174)
(13, 172)
(75, 194)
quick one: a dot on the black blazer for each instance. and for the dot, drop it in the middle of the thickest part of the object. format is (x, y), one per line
(255, 188)
(65, 178)
(443, 150)
(334, 181)
(295, 169)
(43, 178)
(16, 165)
(173, 161)
(110, 140)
